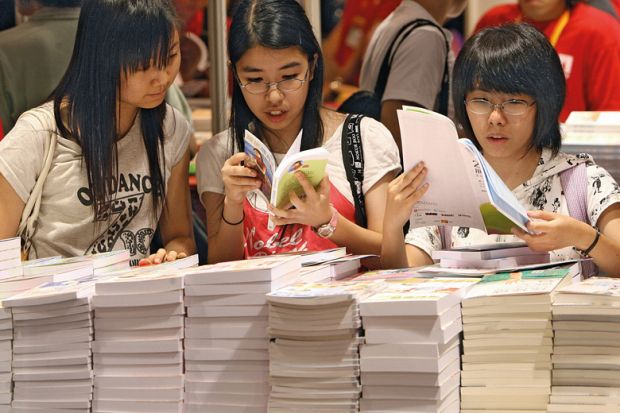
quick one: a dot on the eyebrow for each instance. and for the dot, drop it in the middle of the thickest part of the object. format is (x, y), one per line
(173, 45)
(250, 69)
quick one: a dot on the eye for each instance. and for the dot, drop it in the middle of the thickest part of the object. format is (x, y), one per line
(255, 79)
(287, 77)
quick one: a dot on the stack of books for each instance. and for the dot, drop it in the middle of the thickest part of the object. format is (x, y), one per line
(10, 258)
(586, 349)
(314, 352)
(226, 346)
(6, 356)
(138, 347)
(411, 358)
(508, 340)
(51, 359)
(595, 133)
(495, 257)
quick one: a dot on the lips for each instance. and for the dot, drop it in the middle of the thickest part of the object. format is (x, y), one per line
(276, 115)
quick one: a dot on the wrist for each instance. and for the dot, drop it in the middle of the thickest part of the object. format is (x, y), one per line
(588, 249)
(326, 230)
(583, 236)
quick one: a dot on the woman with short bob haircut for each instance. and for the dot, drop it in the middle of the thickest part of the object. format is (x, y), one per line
(121, 157)
(508, 91)
(277, 68)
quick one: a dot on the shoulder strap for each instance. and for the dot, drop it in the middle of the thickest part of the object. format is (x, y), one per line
(30, 213)
(384, 72)
(353, 158)
(575, 186)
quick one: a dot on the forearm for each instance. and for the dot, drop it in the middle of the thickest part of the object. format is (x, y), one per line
(227, 243)
(605, 254)
(358, 240)
(393, 252)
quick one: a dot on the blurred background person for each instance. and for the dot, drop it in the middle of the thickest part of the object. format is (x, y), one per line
(587, 41)
(34, 55)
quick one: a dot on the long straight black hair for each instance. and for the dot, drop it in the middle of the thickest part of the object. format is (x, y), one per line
(275, 24)
(114, 38)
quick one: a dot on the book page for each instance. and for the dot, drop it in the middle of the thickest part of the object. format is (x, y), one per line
(311, 163)
(261, 160)
(450, 200)
(503, 210)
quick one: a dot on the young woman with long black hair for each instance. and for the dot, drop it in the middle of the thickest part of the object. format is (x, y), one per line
(120, 162)
(278, 77)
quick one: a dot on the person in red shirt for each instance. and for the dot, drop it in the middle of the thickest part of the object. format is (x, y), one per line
(587, 41)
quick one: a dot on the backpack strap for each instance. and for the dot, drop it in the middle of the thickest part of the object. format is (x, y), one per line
(443, 96)
(575, 187)
(353, 158)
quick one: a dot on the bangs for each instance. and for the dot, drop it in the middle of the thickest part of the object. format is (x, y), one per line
(148, 45)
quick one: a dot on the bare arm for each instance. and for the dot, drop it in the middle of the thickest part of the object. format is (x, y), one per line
(225, 212)
(11, 207)
(175, 223)
(225, 240)
(606, 253)
(390, 119)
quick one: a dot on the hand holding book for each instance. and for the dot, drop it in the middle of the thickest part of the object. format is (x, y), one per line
(403, 193)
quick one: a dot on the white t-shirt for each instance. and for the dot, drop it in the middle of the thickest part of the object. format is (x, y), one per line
(380, 158)
(541, 192)
(66, 224)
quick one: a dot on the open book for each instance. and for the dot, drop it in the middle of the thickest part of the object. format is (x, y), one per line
(280, 181)
(464, 190)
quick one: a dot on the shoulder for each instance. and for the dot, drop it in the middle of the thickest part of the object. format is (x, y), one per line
(40, 118)
(176, 124)
(593, 22)
(216, 149)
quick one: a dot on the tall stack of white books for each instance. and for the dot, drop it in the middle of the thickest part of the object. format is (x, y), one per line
(411, 357)
(586, 349)
(314, 352)
(51, 361)
(508, 341)
(226, 346)
(138, 346)
(10, 269)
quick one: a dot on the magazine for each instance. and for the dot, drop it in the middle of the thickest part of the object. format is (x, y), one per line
(280, 181)
(464, 190)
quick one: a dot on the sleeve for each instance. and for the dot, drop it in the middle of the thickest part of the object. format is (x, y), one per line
(380, 152)
(180, 131)
(428, 239)
(21, 155)
(209, 161)
(603, 191)
(417, 68)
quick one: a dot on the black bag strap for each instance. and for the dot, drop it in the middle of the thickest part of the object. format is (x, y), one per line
(353, 158)
(444, 93)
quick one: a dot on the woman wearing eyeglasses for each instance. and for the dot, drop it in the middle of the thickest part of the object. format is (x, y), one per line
(278, 78)
(508, 91)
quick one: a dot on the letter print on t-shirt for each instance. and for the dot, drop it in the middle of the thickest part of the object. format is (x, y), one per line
(130, 190)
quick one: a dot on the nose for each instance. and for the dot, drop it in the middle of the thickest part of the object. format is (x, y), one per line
(496, 117)
(161, 76)
(274, 95)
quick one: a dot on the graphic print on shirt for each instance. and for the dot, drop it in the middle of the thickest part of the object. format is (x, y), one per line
(119, 213)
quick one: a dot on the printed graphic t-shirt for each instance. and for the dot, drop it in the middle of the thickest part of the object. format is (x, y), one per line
(67, 225)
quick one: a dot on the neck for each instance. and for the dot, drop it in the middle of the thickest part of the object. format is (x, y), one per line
(126, 117)
(545, 15)
(437, 9)
(278, 141)
(515, 172)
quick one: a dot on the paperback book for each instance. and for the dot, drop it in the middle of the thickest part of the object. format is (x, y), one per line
(464, 189)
